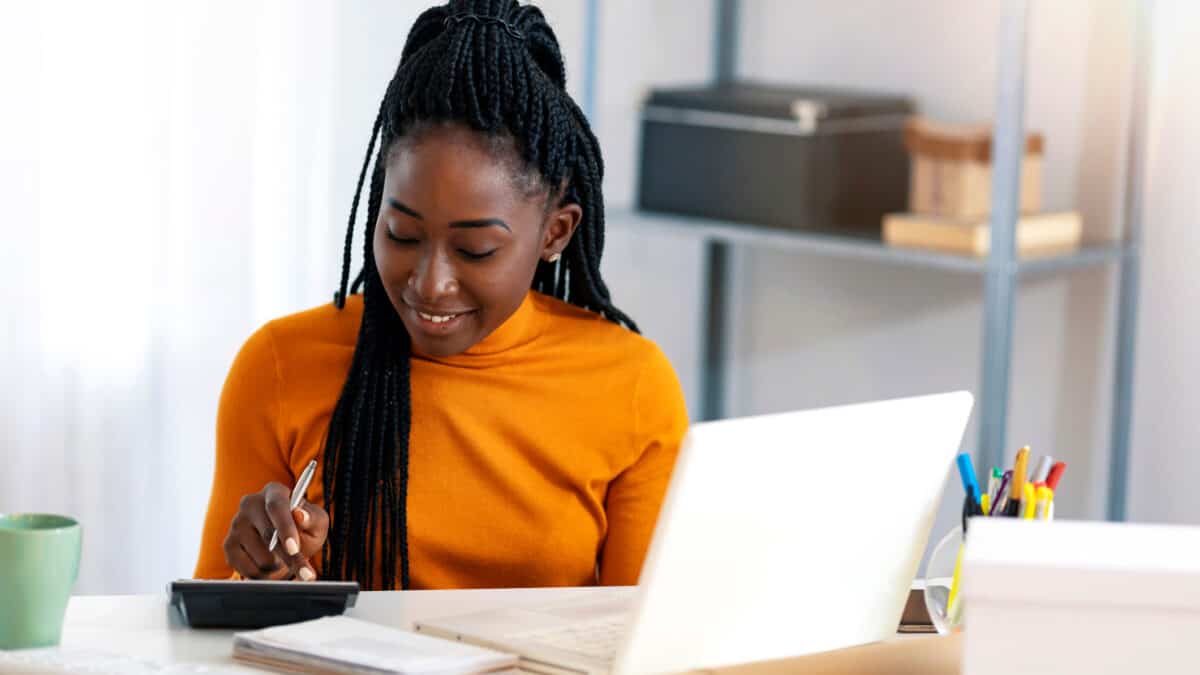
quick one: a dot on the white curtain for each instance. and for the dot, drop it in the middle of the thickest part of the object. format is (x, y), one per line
(172, 175)
(1164, 458)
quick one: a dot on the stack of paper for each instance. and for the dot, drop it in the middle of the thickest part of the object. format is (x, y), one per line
(343, 645)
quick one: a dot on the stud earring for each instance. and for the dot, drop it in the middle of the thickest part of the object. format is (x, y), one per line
(553, 258)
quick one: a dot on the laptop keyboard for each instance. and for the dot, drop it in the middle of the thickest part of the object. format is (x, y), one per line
(597, 638)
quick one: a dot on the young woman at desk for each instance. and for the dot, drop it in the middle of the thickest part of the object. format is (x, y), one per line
(482, 415)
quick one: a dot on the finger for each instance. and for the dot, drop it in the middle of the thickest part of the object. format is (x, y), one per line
(280, 514)
(256, 548)
(252, 518)
(254, 510)
(312, 521)
(241, 563)
(313, 529)
(304, 571)
(244, 565)
(273, 570)
(303, 519)
(257, 516)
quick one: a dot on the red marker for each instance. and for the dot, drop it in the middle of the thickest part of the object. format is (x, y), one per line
(1056, 473)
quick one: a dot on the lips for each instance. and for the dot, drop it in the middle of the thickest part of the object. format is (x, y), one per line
(438, 318)
(437, 321)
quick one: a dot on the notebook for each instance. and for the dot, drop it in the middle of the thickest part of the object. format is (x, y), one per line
(343, 645)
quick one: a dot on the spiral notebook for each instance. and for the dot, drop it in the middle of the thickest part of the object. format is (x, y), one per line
(344, 645)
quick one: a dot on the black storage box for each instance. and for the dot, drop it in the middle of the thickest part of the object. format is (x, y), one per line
(799, 158)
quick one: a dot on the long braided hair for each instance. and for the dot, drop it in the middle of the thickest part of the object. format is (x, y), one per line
(495, 66)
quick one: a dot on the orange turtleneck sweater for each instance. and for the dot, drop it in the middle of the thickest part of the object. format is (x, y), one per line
(539, 457)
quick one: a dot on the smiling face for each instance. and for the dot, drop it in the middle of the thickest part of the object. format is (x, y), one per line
(459, 235)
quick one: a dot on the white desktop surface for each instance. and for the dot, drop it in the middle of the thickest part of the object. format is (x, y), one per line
(143, 627)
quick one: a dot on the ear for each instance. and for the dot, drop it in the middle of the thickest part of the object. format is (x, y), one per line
(560, 225)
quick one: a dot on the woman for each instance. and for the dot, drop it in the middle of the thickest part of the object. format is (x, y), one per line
(482, 415)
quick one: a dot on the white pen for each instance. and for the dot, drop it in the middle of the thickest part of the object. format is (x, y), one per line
(1043, 470)
(297, 497)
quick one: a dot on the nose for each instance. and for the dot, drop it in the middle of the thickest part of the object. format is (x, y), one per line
(433, 277)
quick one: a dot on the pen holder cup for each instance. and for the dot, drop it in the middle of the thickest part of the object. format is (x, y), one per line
(943, 583)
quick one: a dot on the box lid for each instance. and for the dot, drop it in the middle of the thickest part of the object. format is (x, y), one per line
(958, 142)
(1092, 564)
(809, 108)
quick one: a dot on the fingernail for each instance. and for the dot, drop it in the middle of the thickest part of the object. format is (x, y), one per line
(303, 516)
(307, 574)
(292, 547)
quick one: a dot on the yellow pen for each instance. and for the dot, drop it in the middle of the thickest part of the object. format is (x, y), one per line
(1028, 503)
(986, 502)
(1018, 480)
(952, 599)
(1042, 499)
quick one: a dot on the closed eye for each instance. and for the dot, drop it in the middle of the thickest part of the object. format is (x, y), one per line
(470, 255)
(399, 240)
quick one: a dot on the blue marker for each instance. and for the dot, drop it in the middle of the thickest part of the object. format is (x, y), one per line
(966, 471)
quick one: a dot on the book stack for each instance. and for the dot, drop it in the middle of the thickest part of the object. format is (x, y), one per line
(950, 196)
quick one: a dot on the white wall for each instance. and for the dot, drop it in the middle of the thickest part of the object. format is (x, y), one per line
(1166, 440)
(654, 277)
(812, 331)
(815, 331)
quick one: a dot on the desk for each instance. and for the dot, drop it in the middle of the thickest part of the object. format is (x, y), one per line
(141, 626)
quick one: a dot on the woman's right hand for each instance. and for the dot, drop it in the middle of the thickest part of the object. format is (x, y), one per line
(302, 533)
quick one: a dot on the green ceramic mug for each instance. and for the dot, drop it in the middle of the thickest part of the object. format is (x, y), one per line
(39, 560)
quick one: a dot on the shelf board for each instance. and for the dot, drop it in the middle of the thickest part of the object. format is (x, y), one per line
(850, 247)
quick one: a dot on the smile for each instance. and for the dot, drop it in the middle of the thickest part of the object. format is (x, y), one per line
(439, 322)
(438, 318)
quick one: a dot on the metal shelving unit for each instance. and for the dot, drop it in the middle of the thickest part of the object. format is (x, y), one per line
(835, 246)
(1001, 269)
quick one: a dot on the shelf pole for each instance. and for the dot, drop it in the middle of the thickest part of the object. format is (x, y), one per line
(591, 45)
(1127, 301)
(1008, 144)
(715, 325)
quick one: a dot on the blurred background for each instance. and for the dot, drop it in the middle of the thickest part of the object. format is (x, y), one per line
(174, 174)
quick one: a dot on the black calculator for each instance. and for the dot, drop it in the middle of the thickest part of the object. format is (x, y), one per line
(203, 603)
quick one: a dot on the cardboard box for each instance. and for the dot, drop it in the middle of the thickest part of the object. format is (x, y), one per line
(951, 171)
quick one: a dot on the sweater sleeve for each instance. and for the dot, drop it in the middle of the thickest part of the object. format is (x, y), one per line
(634, 497)
(248, 452)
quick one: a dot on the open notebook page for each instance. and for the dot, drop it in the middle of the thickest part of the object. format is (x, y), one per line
(340, 644)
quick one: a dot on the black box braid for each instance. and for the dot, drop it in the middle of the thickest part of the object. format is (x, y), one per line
(494, 65)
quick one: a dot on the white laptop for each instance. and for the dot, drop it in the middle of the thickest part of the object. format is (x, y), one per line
(780, 535)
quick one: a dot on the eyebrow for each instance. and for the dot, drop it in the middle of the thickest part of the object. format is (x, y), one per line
(463, 224)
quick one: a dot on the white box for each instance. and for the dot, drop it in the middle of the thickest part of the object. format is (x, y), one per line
(1048, 598)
